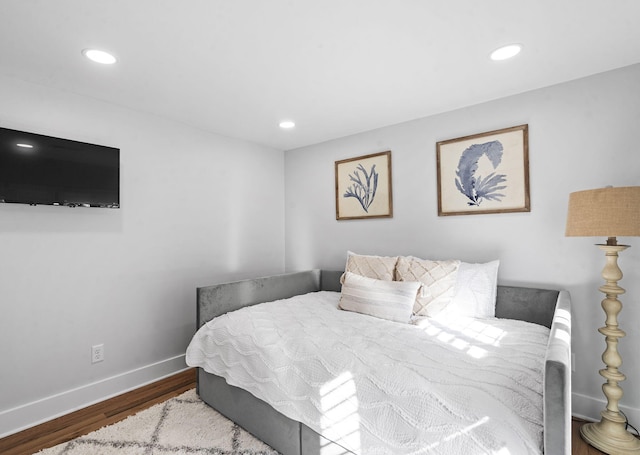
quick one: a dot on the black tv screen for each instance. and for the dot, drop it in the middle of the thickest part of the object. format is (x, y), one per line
(37, 169)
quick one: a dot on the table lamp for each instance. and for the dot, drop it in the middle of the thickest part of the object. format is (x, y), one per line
(608, 212)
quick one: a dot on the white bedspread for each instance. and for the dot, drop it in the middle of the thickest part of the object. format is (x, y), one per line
(381, 387)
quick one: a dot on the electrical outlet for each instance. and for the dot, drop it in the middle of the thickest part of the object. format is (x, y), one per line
(97, 353)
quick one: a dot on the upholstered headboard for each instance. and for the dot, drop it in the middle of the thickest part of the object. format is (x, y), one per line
(527, 304)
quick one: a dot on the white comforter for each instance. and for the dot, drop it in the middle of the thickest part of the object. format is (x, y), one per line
(381, 387)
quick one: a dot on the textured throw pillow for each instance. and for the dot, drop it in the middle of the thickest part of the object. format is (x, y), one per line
(378, 267)
(392, 300)
(475, 291)
(438, 279)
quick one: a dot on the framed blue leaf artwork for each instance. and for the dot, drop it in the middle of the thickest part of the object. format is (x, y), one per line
(363, 187)
(484, 173)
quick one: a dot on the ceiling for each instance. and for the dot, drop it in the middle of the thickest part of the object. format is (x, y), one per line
(335, 67)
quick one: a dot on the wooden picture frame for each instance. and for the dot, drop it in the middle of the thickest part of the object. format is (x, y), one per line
(484, 173)
(363, 187)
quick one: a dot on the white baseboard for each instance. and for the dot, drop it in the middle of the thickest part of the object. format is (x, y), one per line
(589, 408)
(34, 413)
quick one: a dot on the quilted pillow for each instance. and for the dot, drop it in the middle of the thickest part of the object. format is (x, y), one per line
(378, 267)
(392, 300)
(438, 279)
(475, 291)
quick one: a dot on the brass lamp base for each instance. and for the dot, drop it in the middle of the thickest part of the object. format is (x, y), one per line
(611, 439)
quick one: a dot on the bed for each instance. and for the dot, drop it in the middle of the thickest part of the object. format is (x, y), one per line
(541, 308)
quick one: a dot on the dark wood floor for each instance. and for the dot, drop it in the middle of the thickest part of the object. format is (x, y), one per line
(578, 446)
(118, 408)
(97, 416)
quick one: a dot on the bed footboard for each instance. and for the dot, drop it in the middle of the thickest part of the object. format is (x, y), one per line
(219, 299)
(557, 381)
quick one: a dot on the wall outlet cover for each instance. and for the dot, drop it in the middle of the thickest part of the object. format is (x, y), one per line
(97, 353)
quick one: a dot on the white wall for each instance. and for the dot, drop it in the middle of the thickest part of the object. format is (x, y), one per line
(582, 135)
(196, 209)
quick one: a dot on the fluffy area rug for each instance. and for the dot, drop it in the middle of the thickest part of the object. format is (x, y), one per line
(180, 425)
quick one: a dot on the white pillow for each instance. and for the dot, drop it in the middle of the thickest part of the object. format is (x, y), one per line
(475, 291)
(392, 300)
(438, 279)
(378, 267)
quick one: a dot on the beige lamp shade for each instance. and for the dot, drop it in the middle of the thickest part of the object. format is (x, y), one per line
(604, 212)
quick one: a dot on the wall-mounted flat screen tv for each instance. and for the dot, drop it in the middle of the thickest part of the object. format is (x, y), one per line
(37, 169)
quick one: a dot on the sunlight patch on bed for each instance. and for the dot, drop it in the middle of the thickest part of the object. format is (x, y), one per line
(330, 448)
(339, 402)
(562, 316)
(462, 432)
(467, 335)
(562, 319)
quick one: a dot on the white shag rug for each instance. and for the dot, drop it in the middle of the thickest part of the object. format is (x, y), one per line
(180, 425)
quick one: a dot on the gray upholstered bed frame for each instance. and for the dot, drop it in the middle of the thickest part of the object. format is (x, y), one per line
(546, 307)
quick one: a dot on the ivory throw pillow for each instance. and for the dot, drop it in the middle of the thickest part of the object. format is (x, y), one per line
(438, 279)
(475, 291)
(378, 267)
(392, 300)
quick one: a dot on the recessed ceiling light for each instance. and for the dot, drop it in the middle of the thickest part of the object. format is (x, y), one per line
(506, 52)
(287, 124)
(99, 56)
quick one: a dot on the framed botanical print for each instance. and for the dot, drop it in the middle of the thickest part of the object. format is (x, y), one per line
(363, 187)
(484, 173)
